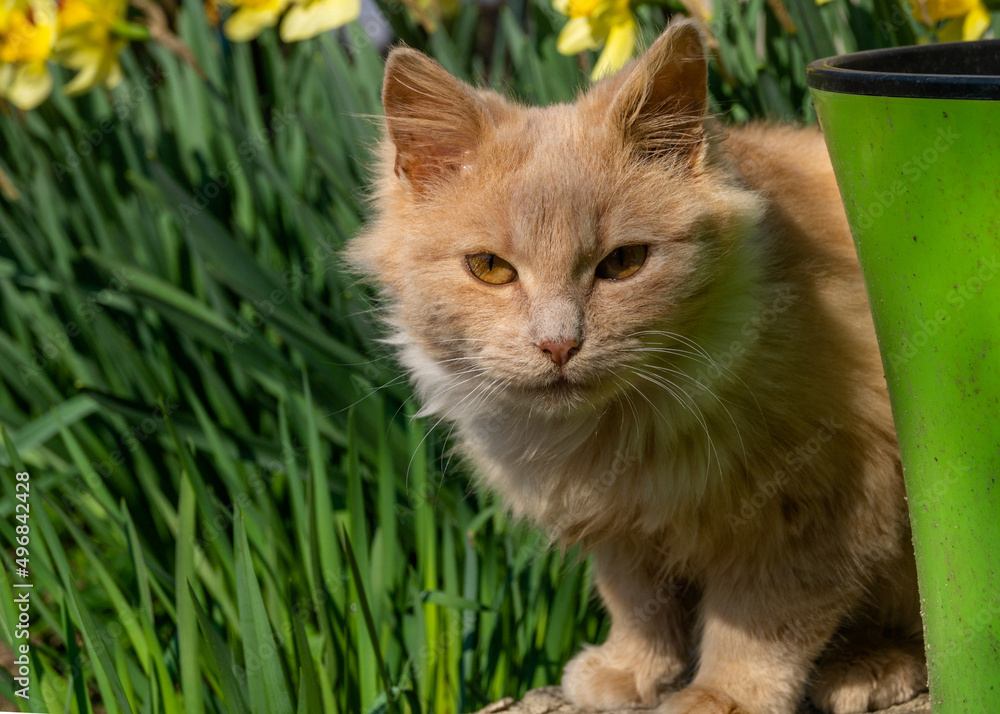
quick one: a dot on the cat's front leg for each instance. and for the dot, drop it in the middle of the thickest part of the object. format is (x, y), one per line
(757, 648)
(644, 654)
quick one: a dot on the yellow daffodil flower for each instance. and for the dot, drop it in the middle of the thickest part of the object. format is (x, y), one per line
(87, 42)
(252, 16)
(596, 23)
(27, 30)
(964, 19)
(308, 18)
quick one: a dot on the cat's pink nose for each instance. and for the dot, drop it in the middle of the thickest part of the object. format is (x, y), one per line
(560, 351)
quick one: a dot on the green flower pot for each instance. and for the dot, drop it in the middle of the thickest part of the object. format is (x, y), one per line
(914, 136)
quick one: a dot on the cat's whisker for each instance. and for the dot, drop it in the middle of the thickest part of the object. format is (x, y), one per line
(653, 406)
(708, 390)
(401, 338)
(450, 340)
(398, 409)
(697, 349)
(458, 359)
(677, 337)
(374, 309)
(406, 401)
(707, 360)
(394, 380)
(694, 345)
(659, 413)
(484, 397)
(706, 356)
(618, 384)
(444, 445)
(454, 382)
(673, 351)
(657, 348)
(699, 358)
(673, 390)
(373, 360)
(416, 449)
(626, 387)
(395, 414)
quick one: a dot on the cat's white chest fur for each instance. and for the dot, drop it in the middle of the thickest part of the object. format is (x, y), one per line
(593, 472)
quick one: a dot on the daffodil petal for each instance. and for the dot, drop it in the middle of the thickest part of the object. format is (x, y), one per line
(561, 6)
(577, 36)
(931, 11)
(86, 78)
(617, 51)
(114, 74)
(245, 24)
(27, 33)
(592, 9)
(76, 55)
(976, 23)
(308, 19)
(73, 13)
(951, 31)
(27, 85)
(96, 61)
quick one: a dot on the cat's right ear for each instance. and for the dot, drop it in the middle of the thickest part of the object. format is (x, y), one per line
(435, 121)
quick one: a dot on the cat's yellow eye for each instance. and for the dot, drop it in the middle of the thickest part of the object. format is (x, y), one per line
(622, 262)
(491, 268)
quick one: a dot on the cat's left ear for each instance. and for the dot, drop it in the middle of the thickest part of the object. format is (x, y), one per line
(662, 103)
(435, 121)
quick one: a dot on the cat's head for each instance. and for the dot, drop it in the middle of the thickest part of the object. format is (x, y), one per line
(536, 256)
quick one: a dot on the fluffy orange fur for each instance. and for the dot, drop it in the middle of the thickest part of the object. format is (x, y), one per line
(720, 437)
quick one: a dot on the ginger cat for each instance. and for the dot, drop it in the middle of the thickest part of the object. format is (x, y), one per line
(652, 338)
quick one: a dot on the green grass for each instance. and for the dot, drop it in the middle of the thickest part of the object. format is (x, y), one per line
(232, 507)
(231, 504)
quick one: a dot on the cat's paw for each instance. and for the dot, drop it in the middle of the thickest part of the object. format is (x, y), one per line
(846, 683)
(700, 700)
(610, 677)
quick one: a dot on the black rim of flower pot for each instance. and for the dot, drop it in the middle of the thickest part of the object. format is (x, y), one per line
(951, 70)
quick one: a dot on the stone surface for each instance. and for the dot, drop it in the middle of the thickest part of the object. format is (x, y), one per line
(549, 700)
